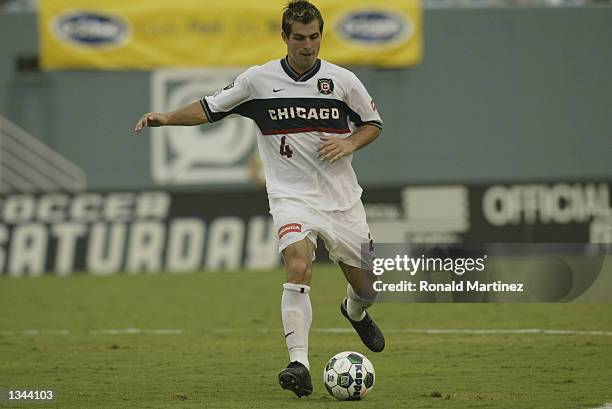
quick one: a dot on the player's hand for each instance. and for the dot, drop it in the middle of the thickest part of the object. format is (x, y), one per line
(333, 148)
(151, 119)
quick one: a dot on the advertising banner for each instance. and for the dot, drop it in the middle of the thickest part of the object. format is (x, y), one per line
(135, 232)
(147, 34)
(548, 212)
(148, 232)
(220, 154)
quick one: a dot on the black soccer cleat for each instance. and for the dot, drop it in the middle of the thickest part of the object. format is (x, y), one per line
(296, 378)
(368, 331)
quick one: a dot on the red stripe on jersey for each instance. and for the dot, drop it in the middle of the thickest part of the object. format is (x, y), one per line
(299, 130)
(289, 228)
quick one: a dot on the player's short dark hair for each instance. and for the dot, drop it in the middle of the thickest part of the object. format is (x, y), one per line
(302, 11)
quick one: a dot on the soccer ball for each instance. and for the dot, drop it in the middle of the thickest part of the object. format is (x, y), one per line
(348, 376)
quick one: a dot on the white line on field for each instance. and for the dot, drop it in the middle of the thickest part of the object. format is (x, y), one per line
(124, 331)
(484, 331)
(605, 406)
(127, 331)
(433, 331)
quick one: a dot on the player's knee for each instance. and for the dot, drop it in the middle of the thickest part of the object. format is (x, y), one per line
(298, 271)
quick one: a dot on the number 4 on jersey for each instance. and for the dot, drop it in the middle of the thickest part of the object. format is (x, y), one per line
(285, 150)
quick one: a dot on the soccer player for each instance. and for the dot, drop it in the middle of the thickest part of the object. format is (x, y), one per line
(311, 116)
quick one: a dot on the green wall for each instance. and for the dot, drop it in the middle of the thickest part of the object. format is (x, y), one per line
(502, 95)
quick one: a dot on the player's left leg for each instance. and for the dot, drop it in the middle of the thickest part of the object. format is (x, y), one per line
(360, 296)
(350, 245)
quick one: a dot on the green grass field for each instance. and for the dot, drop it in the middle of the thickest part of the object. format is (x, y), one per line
(231, 346)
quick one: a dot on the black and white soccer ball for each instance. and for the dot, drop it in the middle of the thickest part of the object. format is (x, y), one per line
(349, 376)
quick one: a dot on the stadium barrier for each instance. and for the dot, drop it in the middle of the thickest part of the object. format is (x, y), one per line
(155, 231)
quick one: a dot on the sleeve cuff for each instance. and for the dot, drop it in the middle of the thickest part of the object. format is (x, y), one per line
(206, 109)
(377, 124)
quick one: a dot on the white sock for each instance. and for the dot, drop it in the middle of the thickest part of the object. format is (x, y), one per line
(297, 316)
(355, 305)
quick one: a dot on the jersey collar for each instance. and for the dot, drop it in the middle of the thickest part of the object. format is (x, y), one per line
(297, 77)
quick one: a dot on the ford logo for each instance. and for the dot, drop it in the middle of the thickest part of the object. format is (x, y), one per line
(91, 29)
(375, 27)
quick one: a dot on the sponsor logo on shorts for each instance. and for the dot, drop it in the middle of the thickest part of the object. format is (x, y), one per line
(289, 228)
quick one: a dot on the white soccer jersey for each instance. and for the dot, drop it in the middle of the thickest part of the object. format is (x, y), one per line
(292, 113)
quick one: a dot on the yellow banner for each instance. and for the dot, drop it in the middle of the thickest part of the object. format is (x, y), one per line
(148, 34)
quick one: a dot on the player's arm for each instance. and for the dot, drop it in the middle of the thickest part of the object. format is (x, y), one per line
(334, 148)
(364, 116)
(192, 114)
(363, 136)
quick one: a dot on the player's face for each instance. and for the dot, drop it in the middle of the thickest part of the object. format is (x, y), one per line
(303, 45)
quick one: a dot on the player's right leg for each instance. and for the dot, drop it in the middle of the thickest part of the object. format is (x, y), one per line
(297, 237)
(296, 313)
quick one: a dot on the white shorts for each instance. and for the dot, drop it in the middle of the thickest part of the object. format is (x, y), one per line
(344, 232)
